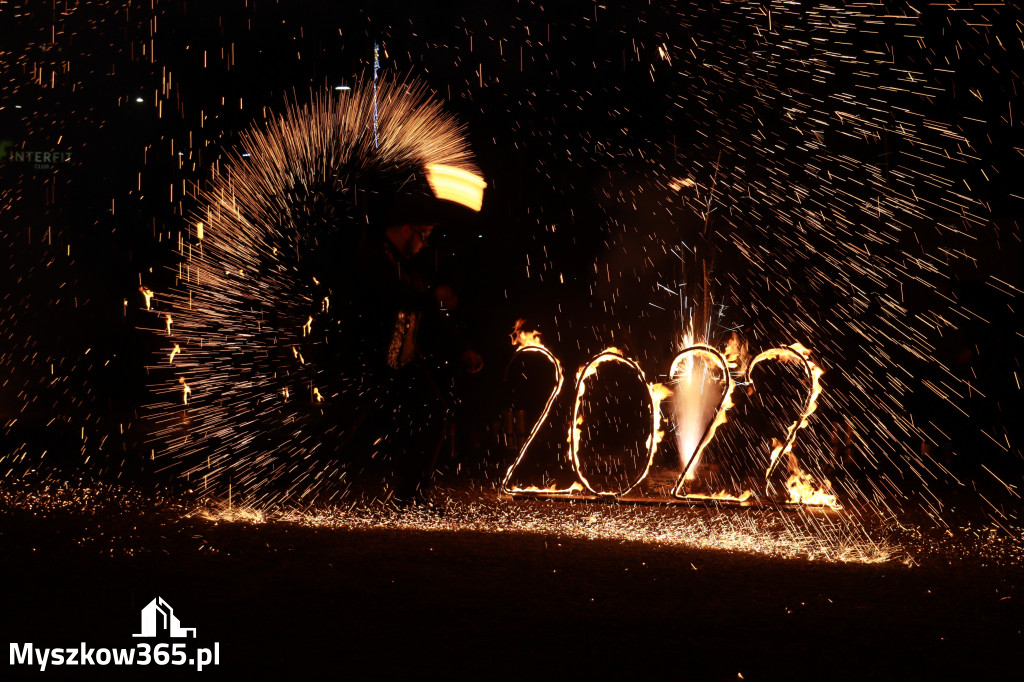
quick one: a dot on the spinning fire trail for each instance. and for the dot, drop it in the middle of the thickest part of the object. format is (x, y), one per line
(250, 387)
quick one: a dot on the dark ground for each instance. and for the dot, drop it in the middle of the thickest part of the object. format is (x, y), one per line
(288, 601)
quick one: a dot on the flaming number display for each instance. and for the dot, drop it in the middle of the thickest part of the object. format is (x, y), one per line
(801, 486)
(689, 380)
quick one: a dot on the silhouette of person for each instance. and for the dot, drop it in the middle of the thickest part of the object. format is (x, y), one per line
(400, 336)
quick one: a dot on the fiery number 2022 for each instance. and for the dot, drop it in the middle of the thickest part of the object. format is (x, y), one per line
(692, 371)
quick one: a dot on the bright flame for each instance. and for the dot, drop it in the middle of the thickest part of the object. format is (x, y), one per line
(736, 353)
(659, 392)
(185, 390)
(308, 327)
(177, 349)
(455, 184)
(576, 487)
(523, 338)
(147, 294)
(199, 230)
(169, 321)
(802, 486)
(316, 395)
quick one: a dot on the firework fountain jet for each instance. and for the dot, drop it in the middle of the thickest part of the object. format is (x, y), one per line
(257, 291)
(699, 408)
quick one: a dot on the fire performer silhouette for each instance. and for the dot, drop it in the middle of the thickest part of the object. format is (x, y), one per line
(401, 342)
(299, 310)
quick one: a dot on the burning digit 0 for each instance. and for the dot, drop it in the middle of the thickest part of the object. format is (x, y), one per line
(690, 389)
(655, 392)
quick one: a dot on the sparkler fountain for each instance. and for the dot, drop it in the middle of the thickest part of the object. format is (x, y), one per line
(703, 384)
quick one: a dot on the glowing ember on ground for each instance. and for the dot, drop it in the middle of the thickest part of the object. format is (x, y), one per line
(753, 531)
(804, 535)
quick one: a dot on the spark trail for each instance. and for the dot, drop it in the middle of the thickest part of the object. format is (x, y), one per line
(252, 322)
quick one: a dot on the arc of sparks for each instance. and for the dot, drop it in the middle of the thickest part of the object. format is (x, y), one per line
(250, 208)
(679, 490)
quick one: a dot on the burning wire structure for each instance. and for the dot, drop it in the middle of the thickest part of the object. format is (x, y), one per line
(655, 392)
(529, 342)
(694, 430)
(800, 485)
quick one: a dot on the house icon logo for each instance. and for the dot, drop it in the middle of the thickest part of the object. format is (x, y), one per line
(158, 619)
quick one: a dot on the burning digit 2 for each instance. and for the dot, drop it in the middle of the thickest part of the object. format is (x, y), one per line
(529, 342)
(801, 486)
(690, 386)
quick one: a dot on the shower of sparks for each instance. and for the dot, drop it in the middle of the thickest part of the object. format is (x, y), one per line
(844, 177)
(251, 306)
(853, 167)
